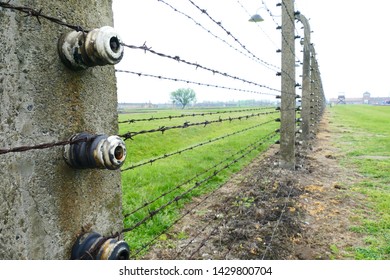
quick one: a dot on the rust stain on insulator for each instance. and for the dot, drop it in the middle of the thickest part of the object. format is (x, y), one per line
(113, 249)
(93, 246)
(79, 50)
(95, 151)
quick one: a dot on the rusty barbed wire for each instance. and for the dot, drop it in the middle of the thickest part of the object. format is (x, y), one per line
(43, 146)
(194, 115)
(177, 58)
(249, 55)
(179, 152)
(162, 129)
(192, 82)
(38, 14)
(130, 135)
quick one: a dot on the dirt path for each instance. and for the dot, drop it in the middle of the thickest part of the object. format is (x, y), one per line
(264, 212)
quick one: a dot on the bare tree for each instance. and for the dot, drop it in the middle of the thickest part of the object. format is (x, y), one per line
(183, 96)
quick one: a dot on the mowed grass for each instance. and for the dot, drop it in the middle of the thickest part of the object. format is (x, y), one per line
(365, 140)
(146, 183)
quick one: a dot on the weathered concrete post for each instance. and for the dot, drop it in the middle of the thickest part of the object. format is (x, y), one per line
(322, 92)
(316, 91)
(306, 80)
(44, 203)
(288, 115)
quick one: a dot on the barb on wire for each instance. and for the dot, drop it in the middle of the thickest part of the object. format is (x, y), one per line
(162, 129)
(249, 55)
(192, 82)
(145, 48)
(38, 14)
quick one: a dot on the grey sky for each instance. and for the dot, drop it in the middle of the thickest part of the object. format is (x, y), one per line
(349, 36)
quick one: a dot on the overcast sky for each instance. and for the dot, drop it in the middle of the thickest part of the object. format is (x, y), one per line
(350, 36)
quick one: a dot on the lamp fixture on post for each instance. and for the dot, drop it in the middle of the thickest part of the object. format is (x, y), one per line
(256, 18)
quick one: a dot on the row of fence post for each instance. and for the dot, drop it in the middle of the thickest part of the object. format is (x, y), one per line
(312, 99)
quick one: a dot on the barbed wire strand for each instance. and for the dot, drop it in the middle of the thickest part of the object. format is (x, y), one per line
(145, 48)
(43, 146)
(192, 82)
(162, 129)
(170, 117)
(38, 14)
(190, 148)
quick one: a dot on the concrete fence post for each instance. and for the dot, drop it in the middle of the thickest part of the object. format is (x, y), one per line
(316, 90)
(306, 80)
(44, 203)
(288, 114)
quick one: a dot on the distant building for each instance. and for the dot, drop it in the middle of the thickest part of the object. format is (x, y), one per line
(365, 99)
(341, 99)
(127, 106)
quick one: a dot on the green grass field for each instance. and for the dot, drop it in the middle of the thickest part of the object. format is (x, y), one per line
(365, 141)
(146, 183)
